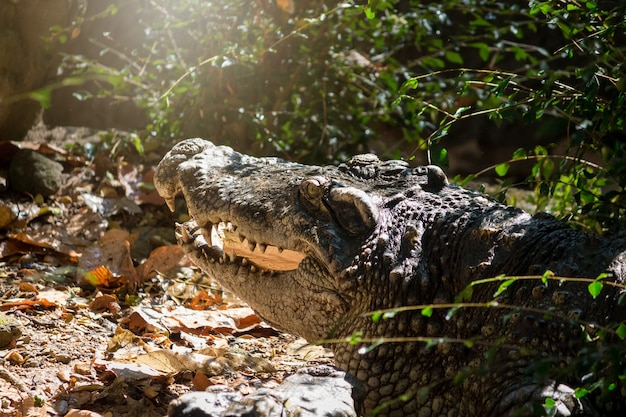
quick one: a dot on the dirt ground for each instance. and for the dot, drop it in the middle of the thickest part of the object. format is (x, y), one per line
(100, 313)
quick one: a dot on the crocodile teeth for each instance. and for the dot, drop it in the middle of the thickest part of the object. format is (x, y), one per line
(221, 244)
(207, 233)
(184, 234)
(171, 203)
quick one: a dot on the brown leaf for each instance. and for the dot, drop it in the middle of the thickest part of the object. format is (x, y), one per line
(6, 215)
(50, 238)
(113, 252)
(203, 300)
(145, 320)
(207, 321)
(201, 382)
(105, 302)
(11, 247)
(147, 192)
(28, 304)
(28, 287)
(161, 259)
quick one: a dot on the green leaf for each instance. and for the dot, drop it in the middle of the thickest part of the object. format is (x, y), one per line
(376, 316)
(520, 153)
(621, 331)
(465, 295)
(580, 392)
(442, 157)
(432, 62)
(369, 13)
(503, 286)
(454, 57)
(483, 50)
(502, 169)
(461, 376)
(43, 96)
(546, 275)
(459, 112)
(427, 312)
(502, 85)
(355, 338)
(410, 84)
(594, 288)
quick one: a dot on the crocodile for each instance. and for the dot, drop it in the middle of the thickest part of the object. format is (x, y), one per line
(440, 300)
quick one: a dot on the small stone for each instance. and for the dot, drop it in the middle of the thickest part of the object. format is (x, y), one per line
(63, 375)
(62, 358)
(82, 368)
(14, 357)
(31, 363)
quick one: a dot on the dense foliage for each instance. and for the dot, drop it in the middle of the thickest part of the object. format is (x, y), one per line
(319, 81)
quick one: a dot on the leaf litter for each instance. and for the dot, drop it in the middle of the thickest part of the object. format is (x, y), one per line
(100, 312)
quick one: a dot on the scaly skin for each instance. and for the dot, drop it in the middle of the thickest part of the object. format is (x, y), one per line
(370, 235)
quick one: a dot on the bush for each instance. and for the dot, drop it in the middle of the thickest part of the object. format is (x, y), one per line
(320, 81)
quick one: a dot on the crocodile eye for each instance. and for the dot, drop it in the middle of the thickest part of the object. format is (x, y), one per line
(312, 188)
(311, 196)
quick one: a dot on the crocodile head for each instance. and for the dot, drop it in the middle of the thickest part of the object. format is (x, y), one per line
(286, 238)
(313, 249)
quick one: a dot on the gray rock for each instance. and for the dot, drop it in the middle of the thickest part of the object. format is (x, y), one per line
(320, 391)
(33, 173)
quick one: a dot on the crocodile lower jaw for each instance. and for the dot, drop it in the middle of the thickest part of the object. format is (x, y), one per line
(227, 245)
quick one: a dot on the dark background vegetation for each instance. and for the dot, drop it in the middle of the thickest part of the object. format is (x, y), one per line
(518, 93)
(471, 85)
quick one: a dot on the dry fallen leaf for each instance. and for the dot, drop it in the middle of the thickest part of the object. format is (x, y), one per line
(28, 304)
(6, 215)
(203, 300)
(28, 287)
(105, 302)
(161, 259)
(145, 320)
(201, 382)
(210, 321)
(113, 252)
